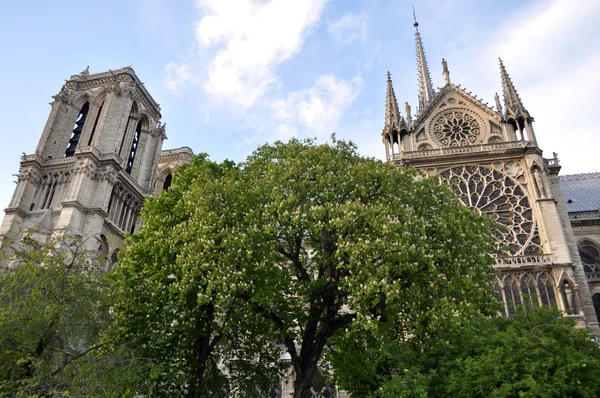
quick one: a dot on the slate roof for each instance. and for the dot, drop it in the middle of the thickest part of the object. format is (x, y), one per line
(581, 191)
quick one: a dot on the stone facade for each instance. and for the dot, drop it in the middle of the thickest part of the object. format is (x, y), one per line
(491, 159)
(581, 194)
(98, 156)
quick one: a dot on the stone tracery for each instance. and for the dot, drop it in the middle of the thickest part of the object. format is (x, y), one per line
(502, 198)
(456, 128)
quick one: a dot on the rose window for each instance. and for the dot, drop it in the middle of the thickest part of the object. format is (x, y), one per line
(457, 129)
(502, 198)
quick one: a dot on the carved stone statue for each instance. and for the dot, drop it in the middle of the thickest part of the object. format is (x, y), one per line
(407, 110)
(63, 95)
(498, 104)
(539, 182)
(445, 71)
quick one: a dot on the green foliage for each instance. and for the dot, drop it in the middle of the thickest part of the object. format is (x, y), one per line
(298, 245)
(352, 244)
(537, 353)
(175, 301)
(303, 248)
(52, 314)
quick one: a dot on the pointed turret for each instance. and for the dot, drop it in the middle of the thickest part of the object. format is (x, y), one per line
(396, 128)
(515, 114)
(392, 113)
(512, 103)
(425, 86)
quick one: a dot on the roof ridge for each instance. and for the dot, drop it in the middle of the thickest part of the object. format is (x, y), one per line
(580, 176)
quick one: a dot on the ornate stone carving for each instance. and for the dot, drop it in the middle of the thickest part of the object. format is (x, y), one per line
(63, 95)
(457, 128)
(159, 130)
(504, 199)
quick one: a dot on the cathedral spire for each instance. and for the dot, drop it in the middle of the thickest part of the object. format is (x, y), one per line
(425, 87)
(518, 120)
(512, 102)
(392, 113)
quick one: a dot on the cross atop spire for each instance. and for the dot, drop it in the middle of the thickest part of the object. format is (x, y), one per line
(512, 102)
(425, 86)
(392, 113)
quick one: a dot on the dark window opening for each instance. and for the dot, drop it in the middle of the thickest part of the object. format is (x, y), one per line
(590, 257)
(134, 147)
(95, 124)
(77, 129)
(167, 183)
(131, 114)
(596, 303)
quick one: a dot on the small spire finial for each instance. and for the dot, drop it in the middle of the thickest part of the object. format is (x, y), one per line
(389, 76)
(415, 24)
(426, 91)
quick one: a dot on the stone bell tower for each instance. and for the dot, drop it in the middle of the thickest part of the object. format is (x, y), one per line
(492, 160)
(95, 161)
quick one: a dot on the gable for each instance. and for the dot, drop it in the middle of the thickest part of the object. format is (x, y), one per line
(454, 118)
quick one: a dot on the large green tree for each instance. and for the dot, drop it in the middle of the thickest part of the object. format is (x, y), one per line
(298, 245)
(53, 313)
(349, 244)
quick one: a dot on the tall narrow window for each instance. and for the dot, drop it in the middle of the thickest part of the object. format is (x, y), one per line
(513, 298)
(95, 124)
(498, 293)
(77, 129)
(131, 116)
(167, 183)
(529, 292)
(134, 147)
(546, 291)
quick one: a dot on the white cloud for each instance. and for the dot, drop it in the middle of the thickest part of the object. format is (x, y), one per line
(250, 39)
(553, 34)
(553, 61)
(317, 109)
(349, 29)
(178, 75)
(552, 58)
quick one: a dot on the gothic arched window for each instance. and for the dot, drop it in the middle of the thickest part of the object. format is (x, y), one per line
(77, 129)
(132, 115)
(497, 291)
(134, 146)
(546, 289)
(512, 294)
(167, 183)
(529, 291)
(590, 257)
(95, 124)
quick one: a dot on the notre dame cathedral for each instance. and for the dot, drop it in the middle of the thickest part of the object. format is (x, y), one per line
(550, 223)
(100, 154)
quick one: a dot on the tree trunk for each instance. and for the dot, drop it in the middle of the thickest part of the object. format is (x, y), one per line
(304, 379)
(203, 350)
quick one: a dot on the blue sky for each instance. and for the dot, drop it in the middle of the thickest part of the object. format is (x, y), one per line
(231, 75)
